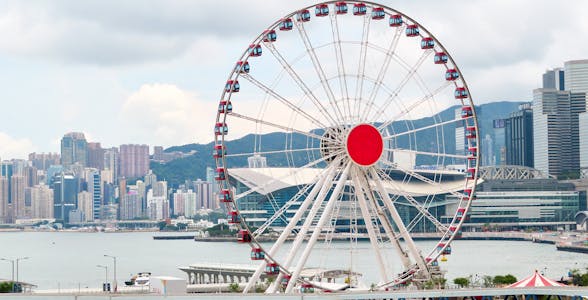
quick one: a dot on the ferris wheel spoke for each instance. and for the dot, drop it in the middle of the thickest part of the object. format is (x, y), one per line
(423, 210)
(383, 70)
(273, 181)
(285, 151)
(319, 71)
(271, 124)
(340, 65)
(301, 84)
(361, 66)
(317, 205)
(283, 100)
(412, 249)
(415, 130)
(319, 226)
(435, 154)
(405, 111)
(360, 191)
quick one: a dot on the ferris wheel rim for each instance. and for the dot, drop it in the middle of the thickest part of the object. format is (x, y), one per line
(221, 118)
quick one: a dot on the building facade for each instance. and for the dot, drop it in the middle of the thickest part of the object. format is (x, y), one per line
(134, 160)
(519, 137)
(74, 148)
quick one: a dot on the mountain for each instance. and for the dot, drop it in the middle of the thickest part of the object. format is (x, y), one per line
(194, 166)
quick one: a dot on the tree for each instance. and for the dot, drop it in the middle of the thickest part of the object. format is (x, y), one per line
(234, 287)
(486, 281)
(6, 287)
(462, 282)
(503, 280)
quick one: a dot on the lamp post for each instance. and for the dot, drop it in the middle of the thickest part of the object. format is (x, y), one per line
(18, 259)
(114, 258)
(105, 268)
(12, 261)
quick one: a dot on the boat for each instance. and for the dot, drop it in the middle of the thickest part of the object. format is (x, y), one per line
(140, 279)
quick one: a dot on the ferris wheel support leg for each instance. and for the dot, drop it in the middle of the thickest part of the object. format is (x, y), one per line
(413, 251)
(318, 228)
(360, 190)
(388, 227)
(324, 189)
(284, 235)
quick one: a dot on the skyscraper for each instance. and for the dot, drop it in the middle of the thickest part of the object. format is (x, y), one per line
(554, 79)
(74, 149)
(17, 195)
(111, 162)
(86, 206)
(41, 202)
(519, 137)
(95, 156)
(130, 206)
(134, 160)
(95, 187)
(3, 200)
(499, 147)
(555, 131)
(576, 76)
(65, 194)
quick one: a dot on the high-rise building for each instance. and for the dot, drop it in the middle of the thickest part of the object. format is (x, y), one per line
(3, 200)
(185, 203)
(150, 179)
(130, 206)
(488, 158)
(460, 139)
(157, 206)
(160, 189)
(554, 79)
(555, 131)
(576, 76)
(17, 195)
(41, 202)
(499, 147)
(519, 137)
(74, 148)
(134, 160)
(65, 194)
(95, 156)
(95, 187)
(111, 162)
(42, 161)
(204, 195)
(86, 206)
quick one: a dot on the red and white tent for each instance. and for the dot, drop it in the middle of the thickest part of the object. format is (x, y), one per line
(535, 280)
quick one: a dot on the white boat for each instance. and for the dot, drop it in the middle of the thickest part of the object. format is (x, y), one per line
(141, 279)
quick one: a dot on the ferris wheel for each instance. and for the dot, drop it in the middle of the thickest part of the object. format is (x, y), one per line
(361, 134)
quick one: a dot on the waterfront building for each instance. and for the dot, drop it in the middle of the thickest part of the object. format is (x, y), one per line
(111, 162)
(65, 193)
(134, 160)
(576, 77)
(17, 195)
(204, 195)
(95, 156)
(3, 200)
(130, 206)
(519, 137)
(86, 205)
(556, 131)
(41, 202)
(95, 187)
(157, 206)
(74, 149)
(109, 212)
(185, 203)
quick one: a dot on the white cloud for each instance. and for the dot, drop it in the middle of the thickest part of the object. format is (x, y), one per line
(164, 114)
(14, 147)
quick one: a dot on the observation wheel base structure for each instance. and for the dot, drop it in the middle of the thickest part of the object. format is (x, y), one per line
(343, 103)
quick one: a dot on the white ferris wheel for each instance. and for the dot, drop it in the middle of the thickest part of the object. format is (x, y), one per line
(352, 156)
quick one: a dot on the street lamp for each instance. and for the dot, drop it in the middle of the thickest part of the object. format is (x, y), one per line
(12, 261)
(114, 258)
(105, 268)
(18, 259)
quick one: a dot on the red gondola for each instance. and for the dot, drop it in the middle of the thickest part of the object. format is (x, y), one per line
(471, 132)
(270, 36)
(225, 106)
(466, 112)
(232, 86)
(473, 151)
(427, 43)
(306, 288)
(395, 21)
(467, 193)
(286, 24)
(341, 8)
(471, 173)
(460, 93)
(458, 233)
(378, 13)
(244, 236)
(219, 151)
(359, 9)
(220, 174)
(412, 30)
(233, 217)
(257, 254)
(451, 75)
(272, 269)
(285, 280)
(225, 196)
(433, 262)
(441, 58)
(242, 67)
(321, 10)
(221, 128)
(303, 16)
(445, 251)
(255, 50)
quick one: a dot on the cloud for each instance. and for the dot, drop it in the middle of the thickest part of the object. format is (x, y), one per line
(164, 114)
(14, 147)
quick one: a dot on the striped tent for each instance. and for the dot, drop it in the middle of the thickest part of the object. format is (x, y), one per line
(534, 281)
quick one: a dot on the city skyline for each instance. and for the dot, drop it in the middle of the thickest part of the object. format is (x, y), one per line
(142, 81)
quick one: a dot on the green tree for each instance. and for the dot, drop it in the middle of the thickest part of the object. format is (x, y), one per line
(486, 281)
(461, 281)
(6, 287)
(234, 287)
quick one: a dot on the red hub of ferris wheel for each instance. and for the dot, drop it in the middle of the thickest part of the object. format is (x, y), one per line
(364, 145)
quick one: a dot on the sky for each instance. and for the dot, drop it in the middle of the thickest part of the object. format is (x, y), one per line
(152, 72)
